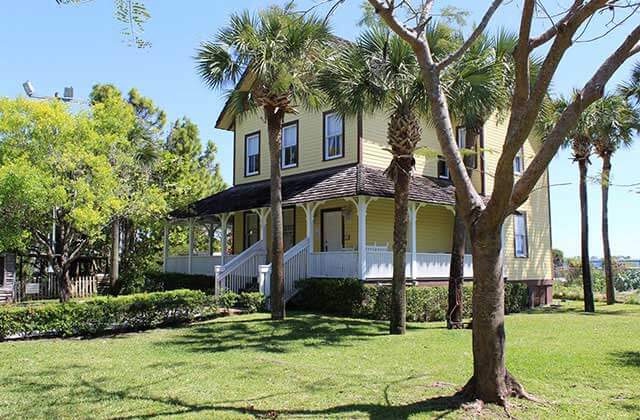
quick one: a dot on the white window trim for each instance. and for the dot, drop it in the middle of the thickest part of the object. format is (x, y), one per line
(282, 148)
(246, 154)
(446, 169)
(520, 155)
(325, 138)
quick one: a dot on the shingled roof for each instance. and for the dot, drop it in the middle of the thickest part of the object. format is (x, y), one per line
(337, 182)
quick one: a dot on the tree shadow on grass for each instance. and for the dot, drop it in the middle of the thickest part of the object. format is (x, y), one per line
(276, 336)
(627, 358)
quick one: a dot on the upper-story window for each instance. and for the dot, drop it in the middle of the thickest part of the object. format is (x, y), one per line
(520, 234)
(252, 154)
(289, 158)
(333, 136)
(443, 169)
(518, 163)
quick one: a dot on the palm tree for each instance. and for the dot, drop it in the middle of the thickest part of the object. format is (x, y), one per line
(477, 86)
(280, 51)
(617, 122)
(380, 73)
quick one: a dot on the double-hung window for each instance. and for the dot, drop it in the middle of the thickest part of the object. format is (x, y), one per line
(443, 169)
(520, 234)
(289, 158)
(518, 163)
(251, 229)
(333, 136)
(252, 154)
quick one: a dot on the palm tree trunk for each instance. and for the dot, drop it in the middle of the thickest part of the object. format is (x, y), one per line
(398, 324)
(274, 126)
(608, 267)
(456, 271)
(584, 225)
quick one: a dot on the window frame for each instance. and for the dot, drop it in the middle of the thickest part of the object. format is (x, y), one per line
(293, 230)
(325, 157)
(441, 160)
(282, 148)
(525, 236)
(246, 153)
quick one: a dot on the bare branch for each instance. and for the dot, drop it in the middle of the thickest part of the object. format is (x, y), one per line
(472, 38)
(553, 30)
(592, 91)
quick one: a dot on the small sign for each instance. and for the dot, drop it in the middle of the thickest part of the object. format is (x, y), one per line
(32, 288)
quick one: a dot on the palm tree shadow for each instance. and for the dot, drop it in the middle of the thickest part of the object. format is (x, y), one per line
(627, 358)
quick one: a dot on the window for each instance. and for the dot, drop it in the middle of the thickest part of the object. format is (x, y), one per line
(252, 154)
(289, 227)
(443, 169)
(468, 151)
(461, 136)
(333, 136)
(520, 234)
(251, 229)
(289, 158)
(518, 163)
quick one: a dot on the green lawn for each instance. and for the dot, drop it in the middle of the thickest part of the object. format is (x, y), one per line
(583, 366)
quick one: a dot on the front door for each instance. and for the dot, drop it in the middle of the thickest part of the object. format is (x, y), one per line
(332, 230)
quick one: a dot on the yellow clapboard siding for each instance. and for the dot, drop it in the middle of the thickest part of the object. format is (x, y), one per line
(310, 147)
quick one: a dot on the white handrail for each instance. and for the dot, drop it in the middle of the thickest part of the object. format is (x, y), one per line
(295, 269)
(242, 270)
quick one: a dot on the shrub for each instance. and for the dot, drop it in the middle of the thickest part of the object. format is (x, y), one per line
(351, 297)
(227, 300)
(102, 314)
(627, 280)
(158, 281)
(251, 301)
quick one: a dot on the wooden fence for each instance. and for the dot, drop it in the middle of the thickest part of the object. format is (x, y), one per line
(48, 287)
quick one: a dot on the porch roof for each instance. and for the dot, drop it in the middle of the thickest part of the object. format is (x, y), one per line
(337, 182)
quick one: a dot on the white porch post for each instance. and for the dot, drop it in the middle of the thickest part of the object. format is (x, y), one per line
(224, 220)
(263, 213)
(413, 212)
(309, 211)
(362, 204)
(190, 257)
(165, 247)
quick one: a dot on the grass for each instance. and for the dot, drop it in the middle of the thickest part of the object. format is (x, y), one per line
(310, 366)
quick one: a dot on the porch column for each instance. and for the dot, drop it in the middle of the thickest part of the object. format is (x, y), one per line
(263, 213)
(224, 220)
(190, 257)
(309, 212)
(361, 205)
(413, 212)
(165, 247)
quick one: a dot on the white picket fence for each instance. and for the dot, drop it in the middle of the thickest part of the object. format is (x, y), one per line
(49, 287)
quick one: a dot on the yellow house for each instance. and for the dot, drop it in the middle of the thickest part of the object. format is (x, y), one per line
(338, 207)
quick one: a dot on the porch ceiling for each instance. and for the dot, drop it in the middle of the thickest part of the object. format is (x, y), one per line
(337, 182)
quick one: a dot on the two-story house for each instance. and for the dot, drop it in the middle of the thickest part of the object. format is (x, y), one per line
(338, 206)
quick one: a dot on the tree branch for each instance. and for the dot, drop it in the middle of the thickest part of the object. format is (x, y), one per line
(592, 91)
(472, 38)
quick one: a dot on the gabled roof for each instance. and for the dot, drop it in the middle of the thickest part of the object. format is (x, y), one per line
(337, 182)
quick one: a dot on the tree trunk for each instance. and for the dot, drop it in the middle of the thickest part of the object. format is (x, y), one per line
(64, 283)
(491, 382)
(398, 324)
(115, 252)
(456, 271)
(584, 225)
(274, 126)
(608, 266)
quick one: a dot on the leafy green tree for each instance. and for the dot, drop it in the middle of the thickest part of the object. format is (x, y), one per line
(280, 52)
(55, 170)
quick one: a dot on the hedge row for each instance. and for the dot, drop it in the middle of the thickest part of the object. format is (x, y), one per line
(158, 282)
(351, 297)
(105, 314)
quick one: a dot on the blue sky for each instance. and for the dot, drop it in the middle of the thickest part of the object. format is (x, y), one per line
(54, 46)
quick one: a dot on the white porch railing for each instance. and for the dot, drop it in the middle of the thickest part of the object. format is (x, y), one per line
(200, 264)
(242, 270)
(338, 264)
(437, 265)
(295, 269)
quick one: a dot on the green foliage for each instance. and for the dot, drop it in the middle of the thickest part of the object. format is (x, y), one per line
(105, 314)
(251, 301)
(227, 300)
(158, 281)
(350, 297)
(628, 279)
